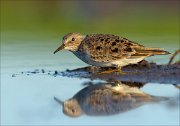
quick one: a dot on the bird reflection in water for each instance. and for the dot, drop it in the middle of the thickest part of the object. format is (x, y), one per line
(107, 99)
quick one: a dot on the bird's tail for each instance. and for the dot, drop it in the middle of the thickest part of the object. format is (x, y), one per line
(153, 51)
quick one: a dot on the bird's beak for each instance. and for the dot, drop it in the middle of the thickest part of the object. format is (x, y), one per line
(60, 48)
(59, 101)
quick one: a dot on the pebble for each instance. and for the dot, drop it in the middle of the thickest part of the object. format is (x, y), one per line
(13, 75)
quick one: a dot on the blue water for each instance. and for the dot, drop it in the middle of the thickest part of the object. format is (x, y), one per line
(27, 100)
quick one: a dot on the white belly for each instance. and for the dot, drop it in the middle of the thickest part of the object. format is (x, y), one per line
(117, 63)
(124, 62)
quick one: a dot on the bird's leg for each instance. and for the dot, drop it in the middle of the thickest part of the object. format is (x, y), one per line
(117, 70)
(117, 83)
(92, 69)
(108, 71)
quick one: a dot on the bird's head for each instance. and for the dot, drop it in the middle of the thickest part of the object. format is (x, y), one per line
(70, 42)
(72, 108)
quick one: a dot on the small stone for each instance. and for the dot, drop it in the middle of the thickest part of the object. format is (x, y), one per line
(43, 71)
(67, 70)
(13, 75)
(55, 72)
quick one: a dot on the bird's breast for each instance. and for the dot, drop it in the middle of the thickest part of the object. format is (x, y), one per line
(87, 59)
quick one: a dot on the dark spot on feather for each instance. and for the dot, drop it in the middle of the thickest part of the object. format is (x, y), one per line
(107, 39)
(129, 43)
(98, 47)
(117, 40)
(102, 40)
(128, 49)
(115, 50)
(122, 40)
(114, 43)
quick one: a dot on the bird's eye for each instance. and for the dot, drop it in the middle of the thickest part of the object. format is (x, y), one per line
(73, 110)
(73, 39)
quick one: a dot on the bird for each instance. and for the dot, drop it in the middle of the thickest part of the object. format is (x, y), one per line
(107, 50)
(103, 99)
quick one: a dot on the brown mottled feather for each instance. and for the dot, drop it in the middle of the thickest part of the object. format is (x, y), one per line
(107, 99)
(107, 50)
(107, 47)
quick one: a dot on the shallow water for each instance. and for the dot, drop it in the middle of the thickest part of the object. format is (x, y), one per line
(29, 99)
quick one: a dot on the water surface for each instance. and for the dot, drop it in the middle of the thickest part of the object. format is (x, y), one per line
(29, 99)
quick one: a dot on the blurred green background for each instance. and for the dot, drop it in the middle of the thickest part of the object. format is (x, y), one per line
(31, 30)
(52, 19)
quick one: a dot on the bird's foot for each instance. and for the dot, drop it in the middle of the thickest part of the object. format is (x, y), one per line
(119, 71)
(117, 83)
(92, 69)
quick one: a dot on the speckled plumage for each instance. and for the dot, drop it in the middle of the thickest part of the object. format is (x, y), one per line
(107, 49)
(106, 99)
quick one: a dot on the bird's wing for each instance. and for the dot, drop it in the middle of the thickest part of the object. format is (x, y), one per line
(107, 47)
